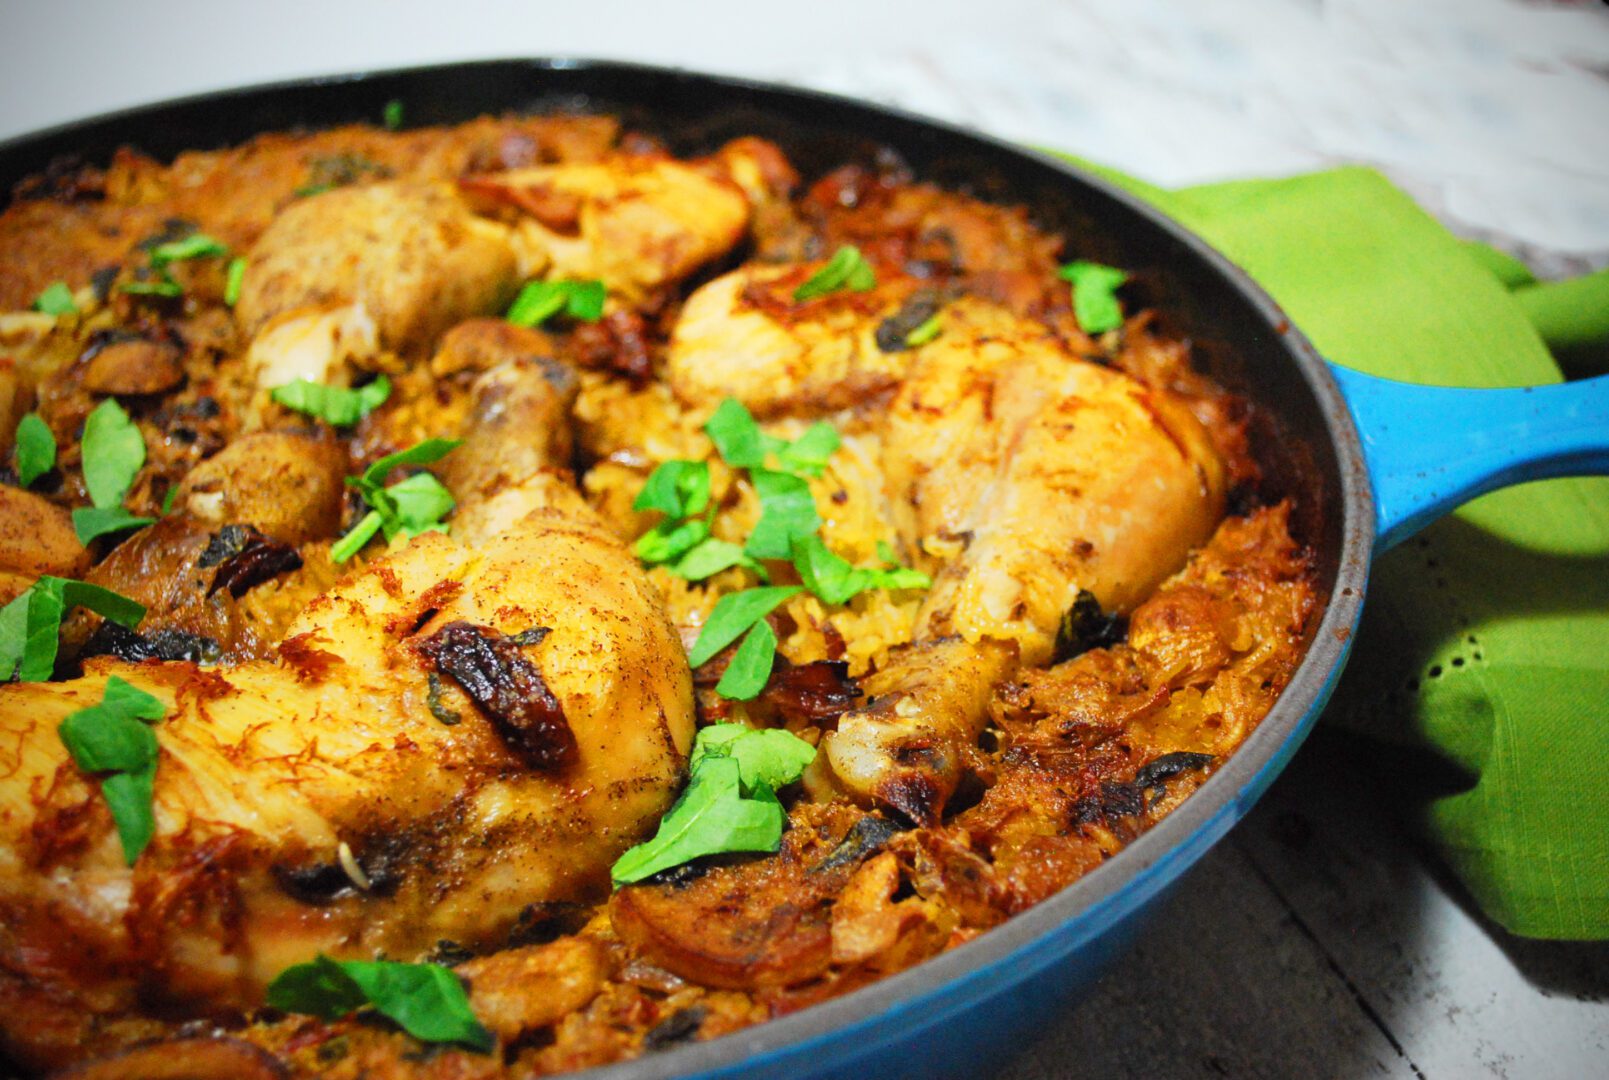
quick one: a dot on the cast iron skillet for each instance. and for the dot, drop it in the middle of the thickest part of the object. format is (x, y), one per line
(1361, 483)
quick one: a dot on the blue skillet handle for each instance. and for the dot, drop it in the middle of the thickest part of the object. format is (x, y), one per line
(1431, 448)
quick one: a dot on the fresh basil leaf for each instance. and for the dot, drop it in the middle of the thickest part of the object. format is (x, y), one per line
(898, 577)
(886, 552)
(711, 817)
(787, 510)
(734, 613)
(670, 540)
(767, 757)
(352, 543)
(709, 557)
(678, 488)
(424, 453)
(536, 303)
(31, 623)
(847, 269)
(737, 437)
(417, 504)
(751, 665)
(391, 115)
(103, 739)
(195, 246)
(113, 451)
(234, 278)
(128, 796)
(539, 301)
(29, 629)
(585, 300)
(320, 988)
(809, 453)
(57, 299)
(160, 287)
(335, 405)
(103, 602)
(91, 522)
(426, 1000)
(109, 737)
(36, 449)
(1095, 304)
(924, 333)
(831, 577)
(128, 699)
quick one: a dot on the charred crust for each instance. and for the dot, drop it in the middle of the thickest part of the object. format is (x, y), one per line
(507, 688)
(678, 1027)
(306, 660)
(110, 639)
(246, 558)
(915, 795)
(1085, 626)
(866, 837)
(811, 692)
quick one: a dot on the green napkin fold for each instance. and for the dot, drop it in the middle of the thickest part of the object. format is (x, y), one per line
(1483, 659)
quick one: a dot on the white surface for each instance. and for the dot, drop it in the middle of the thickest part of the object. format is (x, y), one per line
(1342, 955)
(1494, 113)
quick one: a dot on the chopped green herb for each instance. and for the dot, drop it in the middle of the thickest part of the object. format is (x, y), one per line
(113, 452)
(809, 453)
(110, 738)
(426, 1000)
(709, 557)
(670, 539)
(734, 613)
(335, 405)
(1095, 304)
(407, 508)
(167, 499)
(678, 488)
(29, 624)
(766, 757)
(730, 803)
(309, 190)
(924, 333)
(90, 522)
(711, 817)
(541, 300)
(352, 543)
(161, 287)
(787, 510)
(36, 449)
(234, 278)
(391, 115)
(847, 269)
(427, 452)
(886, 552)
(438, 708)
(195, 246)
(57, 299)
(832, 578)
(750, 668)
(737, 437)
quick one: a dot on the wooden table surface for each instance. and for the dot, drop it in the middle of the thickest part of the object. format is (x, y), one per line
(1318, 940)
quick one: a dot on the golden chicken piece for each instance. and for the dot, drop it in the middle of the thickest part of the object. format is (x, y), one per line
(744, 336)
(285, 483)
(633, 222)
(1028, 477)
(410, 257)
(448, 737)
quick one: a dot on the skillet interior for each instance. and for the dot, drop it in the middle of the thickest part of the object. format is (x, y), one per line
(1304, 435)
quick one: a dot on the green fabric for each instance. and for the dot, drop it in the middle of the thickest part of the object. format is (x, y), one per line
(1485, 639)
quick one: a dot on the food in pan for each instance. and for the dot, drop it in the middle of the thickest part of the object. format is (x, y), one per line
(501, 598)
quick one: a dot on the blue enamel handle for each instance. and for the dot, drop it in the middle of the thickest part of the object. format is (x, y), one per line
(1431, 448)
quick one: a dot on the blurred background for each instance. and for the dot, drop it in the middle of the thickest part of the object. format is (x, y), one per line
(1319, 939)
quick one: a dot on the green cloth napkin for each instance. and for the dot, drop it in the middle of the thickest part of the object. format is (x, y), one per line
(1485, 639)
